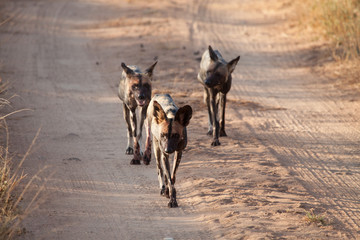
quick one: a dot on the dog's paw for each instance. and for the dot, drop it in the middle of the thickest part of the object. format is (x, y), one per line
(216, 142)
(135, 162)
(223, 133)
(209, 133)
(172, 203)
(165, 192)
(129, 151)
(147, 159)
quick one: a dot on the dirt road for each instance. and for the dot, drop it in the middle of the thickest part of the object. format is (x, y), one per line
(293, 140)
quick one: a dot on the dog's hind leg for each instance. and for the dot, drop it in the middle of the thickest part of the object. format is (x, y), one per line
(177, 160)
(126, 111)
(222, 106)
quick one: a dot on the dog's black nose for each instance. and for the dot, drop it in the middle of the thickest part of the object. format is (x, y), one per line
(141, 96)
(209, 83)
(169, 150)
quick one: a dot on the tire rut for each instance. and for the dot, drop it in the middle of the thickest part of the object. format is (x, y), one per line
(94, 193)
(307, 127)
(261, 67)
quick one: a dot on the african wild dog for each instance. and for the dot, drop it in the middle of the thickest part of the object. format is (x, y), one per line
(167, 125)
(215, 76)
(135, 91)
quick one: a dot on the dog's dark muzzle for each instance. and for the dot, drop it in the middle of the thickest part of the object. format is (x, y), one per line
(141, 99)
(170, 147)
(210, 82)
(169, 150)
(141, 96)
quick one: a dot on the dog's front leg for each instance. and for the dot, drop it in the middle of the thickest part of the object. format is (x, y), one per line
(160, 173)
(137, 156)
(222, 106)
(213, 110)
(147, 153)
(142, 119)
(177, 160)
(126, 111)
(139, 136)
(207, 101)
(172, 192)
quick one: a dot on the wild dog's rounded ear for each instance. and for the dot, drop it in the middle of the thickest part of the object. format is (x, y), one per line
(127, 70)
(159, 113)
(183, 115)
(213, 55)
(232, 64)
(149, 70)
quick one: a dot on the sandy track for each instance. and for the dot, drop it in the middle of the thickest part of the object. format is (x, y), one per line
(293, 138)
(315, 132)
(93, 192)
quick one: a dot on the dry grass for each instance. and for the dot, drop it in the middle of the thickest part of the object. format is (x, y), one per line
(12, 189)
(11, 177)
(339, 22)
(8, 183)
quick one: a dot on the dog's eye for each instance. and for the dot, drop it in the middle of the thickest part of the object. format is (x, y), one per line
(163, 135)
(135, 87)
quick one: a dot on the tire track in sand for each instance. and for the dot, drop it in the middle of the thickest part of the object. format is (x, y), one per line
(94, 192)
(316, 136)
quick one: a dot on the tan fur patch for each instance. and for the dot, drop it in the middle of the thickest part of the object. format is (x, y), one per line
(159, 113)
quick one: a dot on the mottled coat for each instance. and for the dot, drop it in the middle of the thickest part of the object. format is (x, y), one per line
(135, 92)
(166, 123)
(215, 76)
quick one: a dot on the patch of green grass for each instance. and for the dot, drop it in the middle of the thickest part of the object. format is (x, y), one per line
(311, 217)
